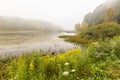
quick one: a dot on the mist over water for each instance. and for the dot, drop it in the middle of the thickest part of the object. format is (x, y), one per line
(18, 43)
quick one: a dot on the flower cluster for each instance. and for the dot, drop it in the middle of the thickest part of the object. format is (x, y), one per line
(66, 73)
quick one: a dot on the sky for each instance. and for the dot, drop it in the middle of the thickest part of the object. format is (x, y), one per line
(65, 13)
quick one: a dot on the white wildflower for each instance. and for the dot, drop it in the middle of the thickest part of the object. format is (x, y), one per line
(66, 63)
(78, 78)
(73, 70)
(66, 73)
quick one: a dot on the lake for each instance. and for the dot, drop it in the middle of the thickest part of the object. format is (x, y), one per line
(19, 42)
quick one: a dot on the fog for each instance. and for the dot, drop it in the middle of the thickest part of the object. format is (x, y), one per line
(65, 13)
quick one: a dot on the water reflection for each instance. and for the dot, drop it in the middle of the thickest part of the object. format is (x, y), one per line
(17, 43)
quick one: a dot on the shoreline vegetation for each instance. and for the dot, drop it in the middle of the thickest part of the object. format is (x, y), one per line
(98, 61)
(102, 43)
(75, 39)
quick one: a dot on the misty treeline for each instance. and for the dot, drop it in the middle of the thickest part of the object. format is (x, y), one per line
(106, 12)
(98, 15)
(15, 23)
(102, 23)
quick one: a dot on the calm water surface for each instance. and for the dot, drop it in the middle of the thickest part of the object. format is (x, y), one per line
(17, 43)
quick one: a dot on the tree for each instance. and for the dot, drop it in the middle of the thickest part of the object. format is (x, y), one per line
(77, 27)
(109, 15)
(84, 25)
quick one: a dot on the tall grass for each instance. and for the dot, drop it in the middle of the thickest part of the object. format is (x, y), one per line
(76, 39)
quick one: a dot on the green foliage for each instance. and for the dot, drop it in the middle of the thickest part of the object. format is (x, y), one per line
(99, 61)
(103, 50)
(23, 72)
(51, 69)
(101, 31)
(36, 66)
(76, 39)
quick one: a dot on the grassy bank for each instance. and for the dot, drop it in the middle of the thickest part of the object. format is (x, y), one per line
(75, 39)
(94, 33)
(100, 61)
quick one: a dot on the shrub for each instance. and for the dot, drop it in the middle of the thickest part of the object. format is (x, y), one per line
(101, 31)
(108, 48)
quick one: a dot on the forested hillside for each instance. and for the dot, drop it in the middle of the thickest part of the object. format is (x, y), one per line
(98, 15)
(14, 23)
